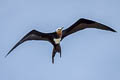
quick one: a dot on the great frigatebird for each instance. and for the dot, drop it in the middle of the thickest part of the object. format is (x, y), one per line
(56, 37)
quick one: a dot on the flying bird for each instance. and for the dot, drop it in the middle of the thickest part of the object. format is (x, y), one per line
(56, 37)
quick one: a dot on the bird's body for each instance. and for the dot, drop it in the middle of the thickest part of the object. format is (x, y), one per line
(57, 40)
(56, 37)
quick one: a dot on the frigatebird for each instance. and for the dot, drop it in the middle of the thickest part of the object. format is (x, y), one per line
(56, 37)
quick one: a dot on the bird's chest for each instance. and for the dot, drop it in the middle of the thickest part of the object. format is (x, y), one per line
(57, 40)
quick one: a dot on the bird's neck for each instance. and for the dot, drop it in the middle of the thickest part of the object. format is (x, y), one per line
(58, 39)
(59, 33)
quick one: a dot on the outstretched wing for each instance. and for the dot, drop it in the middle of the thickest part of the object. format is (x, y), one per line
(33, 35)
(83, 24)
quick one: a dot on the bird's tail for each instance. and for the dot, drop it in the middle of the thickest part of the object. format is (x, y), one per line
(56, 49)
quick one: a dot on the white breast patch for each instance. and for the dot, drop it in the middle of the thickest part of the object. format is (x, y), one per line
(57, 41)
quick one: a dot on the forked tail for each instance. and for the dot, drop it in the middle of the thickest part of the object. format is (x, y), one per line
(56, 49)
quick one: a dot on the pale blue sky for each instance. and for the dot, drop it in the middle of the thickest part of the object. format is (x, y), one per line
(90, 54)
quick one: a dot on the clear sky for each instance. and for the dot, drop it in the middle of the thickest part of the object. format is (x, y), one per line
(90, 54)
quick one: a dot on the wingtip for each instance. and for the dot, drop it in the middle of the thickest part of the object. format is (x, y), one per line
(6, 56)
(113, 30)
(8, 53)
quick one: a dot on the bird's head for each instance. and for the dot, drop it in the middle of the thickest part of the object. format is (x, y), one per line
(59, 30)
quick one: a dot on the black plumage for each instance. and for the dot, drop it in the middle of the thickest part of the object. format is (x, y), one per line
(83, 24)
(79, 25)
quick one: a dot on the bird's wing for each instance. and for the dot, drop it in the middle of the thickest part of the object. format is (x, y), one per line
(33, 35)
(83, 24)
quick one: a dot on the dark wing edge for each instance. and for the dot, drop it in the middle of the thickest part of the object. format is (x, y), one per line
(83, 24)
(32, 35)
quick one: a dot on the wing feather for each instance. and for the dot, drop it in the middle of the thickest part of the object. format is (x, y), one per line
(83, 24)
(33, 35)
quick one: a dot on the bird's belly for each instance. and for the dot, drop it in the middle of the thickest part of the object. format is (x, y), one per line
(57, 41)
